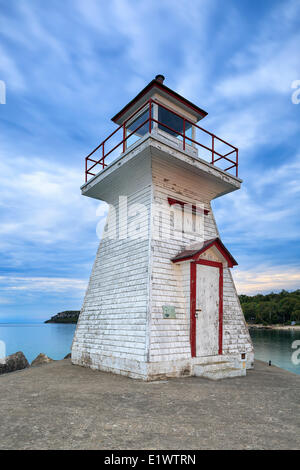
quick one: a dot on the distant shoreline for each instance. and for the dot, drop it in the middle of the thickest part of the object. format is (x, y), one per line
(260, 326)
(68, 316)
(62, 321)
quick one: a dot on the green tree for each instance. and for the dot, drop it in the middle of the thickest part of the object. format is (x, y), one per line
(296, 315)
(271, 308)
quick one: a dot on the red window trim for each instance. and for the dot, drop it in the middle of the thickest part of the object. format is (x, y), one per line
(195, 209)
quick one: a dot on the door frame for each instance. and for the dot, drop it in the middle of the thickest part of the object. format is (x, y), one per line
(193, 294)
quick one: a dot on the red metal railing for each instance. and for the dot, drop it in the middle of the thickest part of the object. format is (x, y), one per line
(186, 140)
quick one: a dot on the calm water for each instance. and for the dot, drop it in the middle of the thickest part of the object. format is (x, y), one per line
(55, 340)
(276, 346)
(52, 339)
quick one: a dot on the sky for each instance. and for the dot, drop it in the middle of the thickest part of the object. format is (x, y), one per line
(69, 66)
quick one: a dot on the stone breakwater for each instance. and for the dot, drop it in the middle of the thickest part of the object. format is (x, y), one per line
(18, 361)
(13, 362)
(62, 406)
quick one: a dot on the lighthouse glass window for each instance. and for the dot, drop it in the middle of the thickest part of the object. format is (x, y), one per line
(173, 124)
(136, 127)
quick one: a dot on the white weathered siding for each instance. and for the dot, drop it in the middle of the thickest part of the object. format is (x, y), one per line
(169, 338)
(112, 328)
(121, 326)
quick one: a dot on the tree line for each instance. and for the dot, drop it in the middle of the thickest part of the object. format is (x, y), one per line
(272, 308)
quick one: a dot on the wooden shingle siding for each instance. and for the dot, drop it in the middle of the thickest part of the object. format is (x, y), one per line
(171, 284)
(112, 323)
(121, 326)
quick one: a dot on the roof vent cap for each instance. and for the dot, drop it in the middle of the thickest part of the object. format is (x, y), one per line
(160, 78)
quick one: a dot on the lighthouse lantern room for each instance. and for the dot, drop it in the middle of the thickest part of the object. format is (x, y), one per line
(161, 300)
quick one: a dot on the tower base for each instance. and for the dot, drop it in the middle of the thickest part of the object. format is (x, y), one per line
(212, 367)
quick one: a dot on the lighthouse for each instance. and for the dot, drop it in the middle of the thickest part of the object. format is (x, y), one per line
(161, 300)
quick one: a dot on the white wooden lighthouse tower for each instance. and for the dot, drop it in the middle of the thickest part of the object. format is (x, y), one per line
(161, 299)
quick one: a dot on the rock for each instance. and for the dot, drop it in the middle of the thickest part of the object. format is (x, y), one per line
(68, 356)
(41, 359)
(16, 361)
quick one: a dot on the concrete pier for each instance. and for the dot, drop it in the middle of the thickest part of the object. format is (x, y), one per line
(62, 406)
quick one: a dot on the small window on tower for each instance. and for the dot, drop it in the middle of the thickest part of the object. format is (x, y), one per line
(184, 222)
(173, 124)
(137, 127)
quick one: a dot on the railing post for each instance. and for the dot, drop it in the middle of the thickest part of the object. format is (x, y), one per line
(124, 136)
(86, 169)
(183, 134)
(213, 149)
(237, 162)
(103, 155)
(150, 115)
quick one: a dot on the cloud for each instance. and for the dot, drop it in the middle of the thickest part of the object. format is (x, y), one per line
(273, 73)
(70, 65)
(252, 127)
(269, 61)
(249, 101)
(10, 72)
(42, 284)
(5, 301)
(288, 174)
(47, 227)
(264, 280)
(265, 211)
(41, 201)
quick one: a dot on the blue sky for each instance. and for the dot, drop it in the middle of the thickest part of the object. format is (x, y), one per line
(69, 66)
